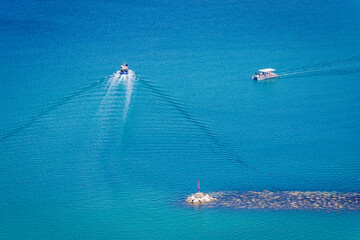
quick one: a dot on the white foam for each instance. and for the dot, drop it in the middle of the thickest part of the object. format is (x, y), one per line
(130, 79)
(116, 80)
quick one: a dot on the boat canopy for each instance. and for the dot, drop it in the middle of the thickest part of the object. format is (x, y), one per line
(267, 70)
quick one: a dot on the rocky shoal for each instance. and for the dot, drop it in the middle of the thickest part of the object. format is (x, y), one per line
(287, 200)
(199, 198)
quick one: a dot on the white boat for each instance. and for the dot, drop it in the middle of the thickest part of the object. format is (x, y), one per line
(263, 74)
(124, 69)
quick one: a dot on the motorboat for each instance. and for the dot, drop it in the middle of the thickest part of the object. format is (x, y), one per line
(263, 74)
(124, 69)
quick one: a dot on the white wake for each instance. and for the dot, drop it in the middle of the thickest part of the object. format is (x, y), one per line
(129, 82)
(114, 87)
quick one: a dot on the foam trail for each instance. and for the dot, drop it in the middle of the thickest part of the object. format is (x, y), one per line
(294, 73)
(112, 87)
(340, 70)
(130, 79)
(346, 60)
(115, 103)
(113, 82)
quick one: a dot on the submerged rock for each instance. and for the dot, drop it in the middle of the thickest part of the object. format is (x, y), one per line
(200, 198)
(280, 200)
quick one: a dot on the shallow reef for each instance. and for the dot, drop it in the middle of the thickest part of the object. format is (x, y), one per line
(287, 200)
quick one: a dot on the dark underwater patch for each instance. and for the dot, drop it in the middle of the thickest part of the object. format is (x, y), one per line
(287, 200)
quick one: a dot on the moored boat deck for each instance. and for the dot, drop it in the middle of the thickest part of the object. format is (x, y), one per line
(263, 74)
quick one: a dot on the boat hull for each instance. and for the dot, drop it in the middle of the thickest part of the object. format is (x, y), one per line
(264, 78)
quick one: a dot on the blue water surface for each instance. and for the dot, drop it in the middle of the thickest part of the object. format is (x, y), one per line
(87, 156)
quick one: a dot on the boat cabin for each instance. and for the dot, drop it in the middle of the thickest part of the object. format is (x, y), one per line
(263, 74)
(124, 69)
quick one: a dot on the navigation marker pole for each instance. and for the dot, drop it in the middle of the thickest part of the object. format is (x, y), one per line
(198, 185)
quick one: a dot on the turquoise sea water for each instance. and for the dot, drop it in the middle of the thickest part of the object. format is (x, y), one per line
(87, 156)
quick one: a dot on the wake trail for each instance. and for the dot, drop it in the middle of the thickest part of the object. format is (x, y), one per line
(340, 71)
(111, 85)
(215, 141)
(112, 89)
(129, 89)
(61, 102)
(326, 63)
(114, 108)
